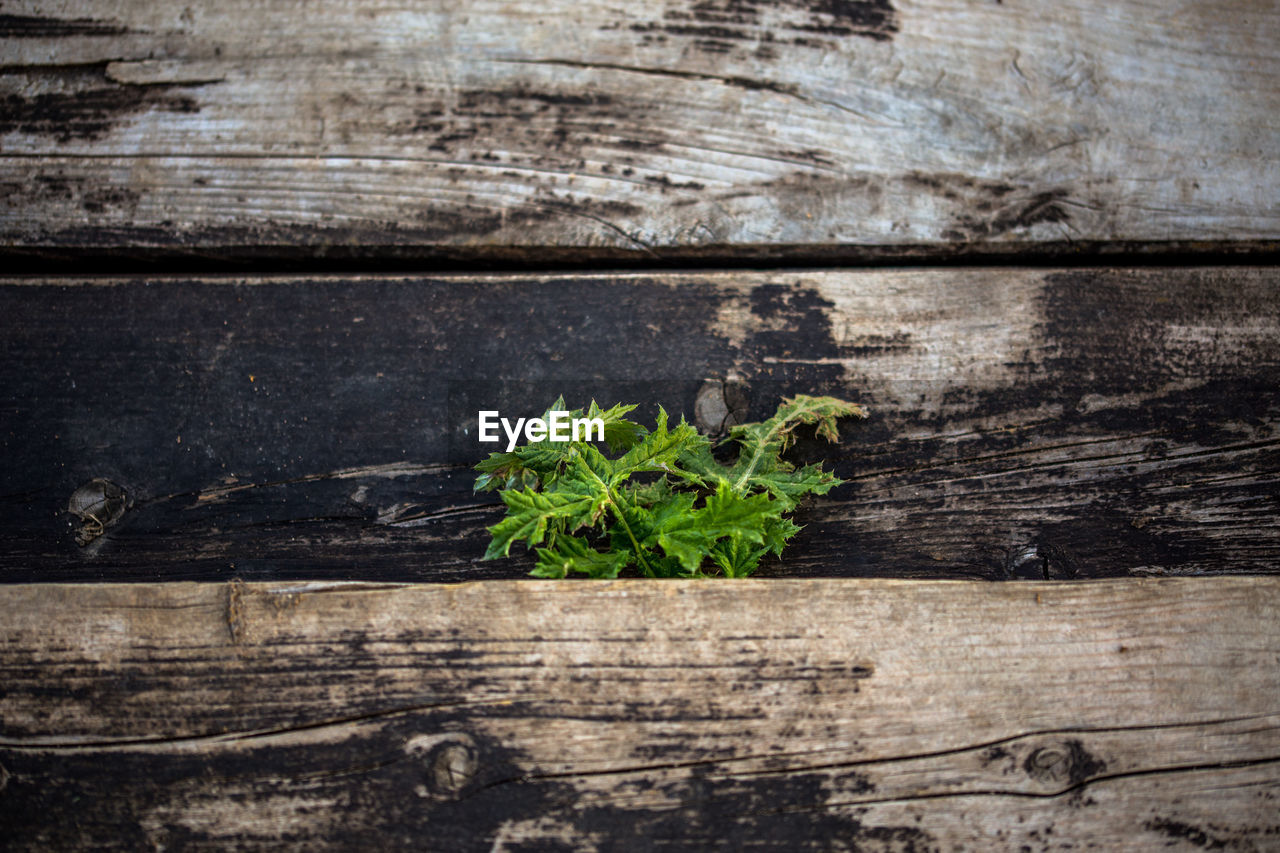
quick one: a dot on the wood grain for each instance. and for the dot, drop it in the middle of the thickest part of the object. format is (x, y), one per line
(644, 131)
(777, 715)
(1024, 423)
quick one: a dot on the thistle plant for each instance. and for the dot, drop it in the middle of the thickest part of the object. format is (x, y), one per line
(660, 501)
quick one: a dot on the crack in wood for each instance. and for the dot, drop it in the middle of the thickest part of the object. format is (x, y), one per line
(751, 84)
(1068, 791)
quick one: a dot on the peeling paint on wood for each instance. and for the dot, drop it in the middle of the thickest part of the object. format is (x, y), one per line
(933, 126)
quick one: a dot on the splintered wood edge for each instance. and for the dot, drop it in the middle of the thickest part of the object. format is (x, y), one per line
(785, 714)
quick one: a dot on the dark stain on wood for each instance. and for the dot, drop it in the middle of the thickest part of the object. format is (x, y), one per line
(44, 806)
(32, 26)
(721, 26)
(875, 19)
(1212, 836)
(155, 797)
(667, 184)
(1041, 207)
(547, 120)
(143, 799)
(989, 209)
(784, 812)
(1041, 560)
(88, 104)
(97, 201)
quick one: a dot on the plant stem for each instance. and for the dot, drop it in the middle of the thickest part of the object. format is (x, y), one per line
(614, 500)
(644, 566)
(757, 452)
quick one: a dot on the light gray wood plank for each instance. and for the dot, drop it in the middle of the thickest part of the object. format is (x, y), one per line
(871, 715)
(649, 129)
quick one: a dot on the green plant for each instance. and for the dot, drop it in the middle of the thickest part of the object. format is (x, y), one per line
(663, 503)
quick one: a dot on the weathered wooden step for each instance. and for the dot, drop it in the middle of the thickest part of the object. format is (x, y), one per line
(639, 715)
(1024, 423)
(516, 130)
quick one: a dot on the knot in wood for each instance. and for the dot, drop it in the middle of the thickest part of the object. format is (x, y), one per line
(98, 504)
(720, 404)
(1067, 763)
(450, 768)
(1039, 561)
(1048, 764)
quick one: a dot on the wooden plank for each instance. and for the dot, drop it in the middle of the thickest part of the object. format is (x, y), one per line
(778, 715)
(1027, 423)
(642, 130)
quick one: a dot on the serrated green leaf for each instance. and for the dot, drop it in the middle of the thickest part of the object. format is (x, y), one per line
(497, 470)
(794, 411)
(540, 462)
(727, 513)
(637, 529)
(777, 532)
(587, 475)
(762, 443)
(785, 484)
(673, 526)
(659, 450)
(529, 513)
(736, 558)
(697, 460)
(620, 434)
(688, 535)
(648, 494)
(573, 554)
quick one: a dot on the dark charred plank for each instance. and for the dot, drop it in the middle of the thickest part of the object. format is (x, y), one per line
(1024, 423)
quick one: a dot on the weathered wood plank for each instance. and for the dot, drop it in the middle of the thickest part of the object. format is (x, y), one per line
(1023, 423)
(780, 715)
(637, 130)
